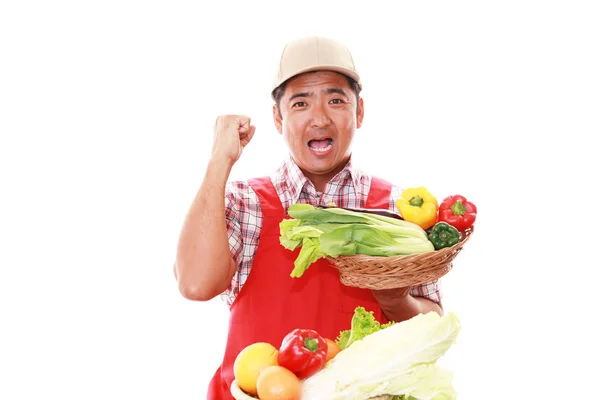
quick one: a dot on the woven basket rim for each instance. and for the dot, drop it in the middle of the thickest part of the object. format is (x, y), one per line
(381, 272)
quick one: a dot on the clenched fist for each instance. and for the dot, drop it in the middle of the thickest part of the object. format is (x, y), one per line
(231, 134)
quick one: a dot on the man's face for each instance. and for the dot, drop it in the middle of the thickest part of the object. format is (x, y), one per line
(319, 115)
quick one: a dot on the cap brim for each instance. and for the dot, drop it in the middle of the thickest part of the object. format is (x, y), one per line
(348, 72)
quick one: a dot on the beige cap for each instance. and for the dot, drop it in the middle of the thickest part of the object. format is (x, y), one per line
(314, 54)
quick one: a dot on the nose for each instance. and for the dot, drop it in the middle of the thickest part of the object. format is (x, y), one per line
(319, 116)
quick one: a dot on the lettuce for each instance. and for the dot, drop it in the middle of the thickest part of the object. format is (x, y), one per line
(363, 324)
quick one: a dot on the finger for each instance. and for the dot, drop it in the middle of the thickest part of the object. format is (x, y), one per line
(247, 137)
(243, 120)
(244, 124)
(251, 132)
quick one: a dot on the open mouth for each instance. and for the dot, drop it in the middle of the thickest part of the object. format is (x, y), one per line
(320, 145)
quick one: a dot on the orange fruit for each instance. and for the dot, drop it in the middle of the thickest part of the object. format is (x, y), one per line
(332, 349)
(278, 383)
(250, 361)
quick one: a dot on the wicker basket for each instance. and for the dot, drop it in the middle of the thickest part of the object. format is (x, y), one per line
(238, 394)
(378, 273)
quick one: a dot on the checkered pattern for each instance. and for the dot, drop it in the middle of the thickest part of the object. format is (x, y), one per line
(349, 188)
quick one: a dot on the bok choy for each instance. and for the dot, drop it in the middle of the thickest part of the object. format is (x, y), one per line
(333, 232)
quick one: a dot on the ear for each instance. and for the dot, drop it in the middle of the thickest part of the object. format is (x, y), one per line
(360, 112)
(277, 119)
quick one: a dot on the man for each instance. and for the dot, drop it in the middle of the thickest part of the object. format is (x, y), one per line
(237, 253)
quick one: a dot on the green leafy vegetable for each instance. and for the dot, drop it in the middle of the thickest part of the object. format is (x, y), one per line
(363, 324)
(342, 339)
(399, 360)
(310, 252)
(337, 232)
(307, 212)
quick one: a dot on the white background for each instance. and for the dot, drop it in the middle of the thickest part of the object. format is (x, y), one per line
(106, 116)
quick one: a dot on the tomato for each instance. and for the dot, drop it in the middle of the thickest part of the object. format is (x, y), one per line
(332, 349)
(276, 382)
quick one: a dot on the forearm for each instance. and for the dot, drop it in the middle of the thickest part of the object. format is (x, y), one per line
(398, 305)
(204, 265)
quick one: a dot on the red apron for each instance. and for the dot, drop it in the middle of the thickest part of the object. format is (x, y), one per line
(271, 303)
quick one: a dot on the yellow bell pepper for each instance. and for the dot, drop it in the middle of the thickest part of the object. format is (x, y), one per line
(418, 206)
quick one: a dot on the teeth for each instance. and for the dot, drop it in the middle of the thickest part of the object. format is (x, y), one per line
(321, 149)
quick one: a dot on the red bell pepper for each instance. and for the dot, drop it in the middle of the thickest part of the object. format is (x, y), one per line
(303, 351)
(458, 212)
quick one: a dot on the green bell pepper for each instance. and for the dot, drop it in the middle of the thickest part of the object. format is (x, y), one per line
(443, 235)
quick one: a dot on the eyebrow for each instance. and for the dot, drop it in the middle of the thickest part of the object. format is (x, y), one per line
(328, 90)
(337, 90)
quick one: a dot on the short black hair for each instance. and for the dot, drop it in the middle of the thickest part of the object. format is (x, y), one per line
(277, 94)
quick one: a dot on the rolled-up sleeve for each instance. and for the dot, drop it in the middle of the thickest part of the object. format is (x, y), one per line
(234, 235)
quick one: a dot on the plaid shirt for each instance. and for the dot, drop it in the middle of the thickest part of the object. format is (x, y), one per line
(349, 188)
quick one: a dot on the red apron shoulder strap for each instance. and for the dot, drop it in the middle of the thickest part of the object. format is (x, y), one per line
(267, 195)
(270, 204)
(379, 194)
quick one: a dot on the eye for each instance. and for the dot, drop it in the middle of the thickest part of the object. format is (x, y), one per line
(337, 101)
(299, 104)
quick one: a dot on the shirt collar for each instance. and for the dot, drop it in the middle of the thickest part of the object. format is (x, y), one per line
(294, 181)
